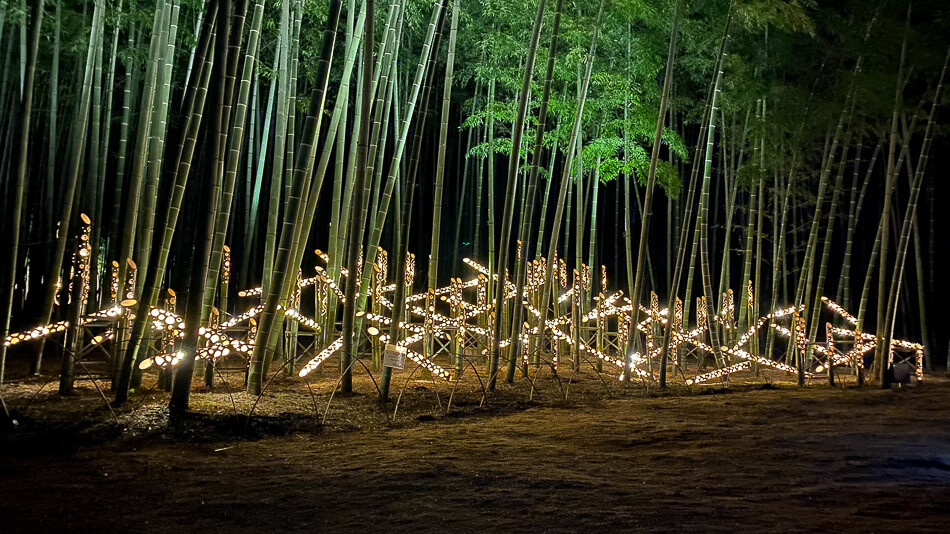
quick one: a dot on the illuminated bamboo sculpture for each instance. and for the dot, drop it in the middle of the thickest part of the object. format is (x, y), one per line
(457, 320)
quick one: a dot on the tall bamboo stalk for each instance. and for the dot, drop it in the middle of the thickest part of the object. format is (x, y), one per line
(651, 182)
(702, 219)
(156, 144)
(236, 117)
(910, 215)
(94, 178)
(16, 213)
(566, 172)
(356, 222)
(922, 298)
(203, 232)
(854, 214)
(283, 268)
(528, 218)
(53, 136)
(517, 130)
(193, 106)
(383, 208)
(403, 286)
(280, 146)
(440, 158)
(122, 149)
(829, 231)
(235, 145)
(71, 184)
(140, 160)
(882, 350)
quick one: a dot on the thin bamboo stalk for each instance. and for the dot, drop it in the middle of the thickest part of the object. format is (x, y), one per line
(440, 158)
(16, 214)
(528, 218)
(517, 130)
(71, 185)
(283, 268)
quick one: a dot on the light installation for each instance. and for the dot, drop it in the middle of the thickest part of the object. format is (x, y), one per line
(462, 324)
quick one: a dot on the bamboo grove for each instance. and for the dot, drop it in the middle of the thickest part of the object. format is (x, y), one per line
(736, 161)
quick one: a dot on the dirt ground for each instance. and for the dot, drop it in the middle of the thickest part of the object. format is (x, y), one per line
(751, 458)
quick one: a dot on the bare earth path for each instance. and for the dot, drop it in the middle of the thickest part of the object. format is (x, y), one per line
(768, 460)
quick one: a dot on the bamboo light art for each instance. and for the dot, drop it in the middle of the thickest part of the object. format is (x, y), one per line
(471, 314)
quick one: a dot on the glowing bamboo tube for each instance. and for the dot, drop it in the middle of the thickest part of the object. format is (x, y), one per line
(718, 373)
(114, 287)
(130, 274)
(253, 292)
(750, 297)
(475, 265)
(295, 315)
(237, 319)
(103, 337)
(428, 365)
(320, 358)
(36, 333)
(833, 306)
(225, 264)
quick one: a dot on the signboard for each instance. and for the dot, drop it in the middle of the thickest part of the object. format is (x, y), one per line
(394, 356)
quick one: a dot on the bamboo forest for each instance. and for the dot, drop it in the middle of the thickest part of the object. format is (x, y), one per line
(510, 264)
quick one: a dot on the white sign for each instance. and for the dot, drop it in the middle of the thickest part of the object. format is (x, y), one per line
(394, 356)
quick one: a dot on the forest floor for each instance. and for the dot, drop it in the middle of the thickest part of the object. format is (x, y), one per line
(757, 456)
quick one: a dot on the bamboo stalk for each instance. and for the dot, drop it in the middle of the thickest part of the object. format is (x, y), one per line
(528, 218)
(517, 130)
(194, 105)
(440, 158)
(203, 232)
(71, 184)
(283, 266)
(348, 352)
(16, 213)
